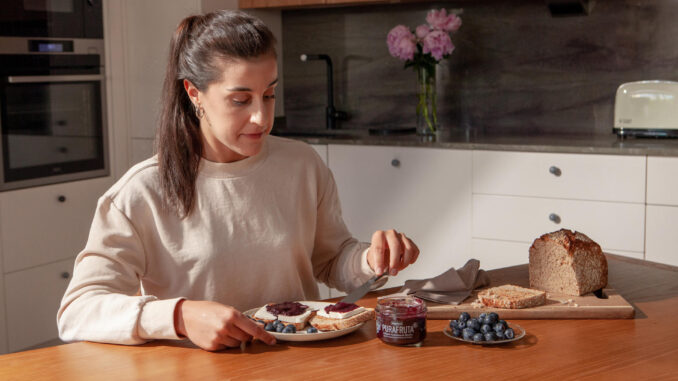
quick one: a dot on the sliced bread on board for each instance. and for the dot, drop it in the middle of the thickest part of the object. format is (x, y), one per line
(568, 263)
(512, 297)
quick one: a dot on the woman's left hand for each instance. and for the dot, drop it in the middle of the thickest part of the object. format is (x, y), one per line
(391, 251)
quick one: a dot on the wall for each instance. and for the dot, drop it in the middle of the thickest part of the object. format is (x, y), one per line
(516, 69)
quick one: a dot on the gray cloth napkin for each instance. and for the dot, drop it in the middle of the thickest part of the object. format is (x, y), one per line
(450, 287)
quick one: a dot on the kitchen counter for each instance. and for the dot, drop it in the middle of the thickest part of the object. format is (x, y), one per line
(582, 144)
(641, 348)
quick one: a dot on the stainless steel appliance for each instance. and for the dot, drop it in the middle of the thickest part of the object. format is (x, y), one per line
(646, 108)
(52, 111)
(53, 18)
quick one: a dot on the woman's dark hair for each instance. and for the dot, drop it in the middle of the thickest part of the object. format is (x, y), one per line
(200, 48)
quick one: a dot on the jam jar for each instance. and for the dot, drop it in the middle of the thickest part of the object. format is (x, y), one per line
(401, 320)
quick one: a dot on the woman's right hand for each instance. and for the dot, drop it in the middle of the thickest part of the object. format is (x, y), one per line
(213, 326)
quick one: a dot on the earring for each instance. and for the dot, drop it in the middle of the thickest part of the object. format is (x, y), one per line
(199, 111)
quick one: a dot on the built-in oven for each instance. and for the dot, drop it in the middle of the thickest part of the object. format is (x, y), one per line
(52, 18)
(52, 111)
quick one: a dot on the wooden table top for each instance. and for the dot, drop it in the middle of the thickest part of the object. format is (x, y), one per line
(645, 347)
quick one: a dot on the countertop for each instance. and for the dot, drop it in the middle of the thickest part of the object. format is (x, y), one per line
(582, 144)
(627, 349)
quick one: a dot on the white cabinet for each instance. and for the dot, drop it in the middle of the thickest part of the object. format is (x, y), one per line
(46, 224)
(423, 192)
(518, 196)
(661, 242)
(33, 298)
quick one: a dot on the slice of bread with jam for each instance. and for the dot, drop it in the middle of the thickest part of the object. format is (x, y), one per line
(340, 316)
(287, 312)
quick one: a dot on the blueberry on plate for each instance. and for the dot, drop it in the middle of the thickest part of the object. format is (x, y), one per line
(499, 327)
(493, 317)
(453, 324)
(461, 325)
(456, 332)
(464, 316)
(509, 334)
(269, 327)
(490, 336)
(481, 317)
(504, 323)
(500, 335)
(311, 330)
(260, 321)
(478, 337)
(485, 328)
(279, 327)
(289, 329)
(474, 324)
(467, 333)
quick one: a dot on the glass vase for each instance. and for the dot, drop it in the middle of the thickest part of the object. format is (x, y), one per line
(427, 110)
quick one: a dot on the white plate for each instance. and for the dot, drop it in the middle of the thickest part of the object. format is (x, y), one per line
(302, 335)
(518, 330)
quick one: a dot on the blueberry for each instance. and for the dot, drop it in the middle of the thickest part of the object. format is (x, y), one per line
(481, 317)
(500, 335)
(499, 328)
(261, 321)
(503, 322)
(279, 327)
(453, 323)
(464, 316)
(494, 318)
(467, 333)
(312, 330)
(508, 334)
(269, 327)
(485, 328)
(461, 325)
(276, 322)
(478, 337)
(490, 336)
(289, 329)
(456, 332)
(473, 324)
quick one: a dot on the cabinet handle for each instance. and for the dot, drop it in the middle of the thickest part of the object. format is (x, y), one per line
(61, 198)
(554, 217)
(65, 275)
(555, 171)
(395, 163)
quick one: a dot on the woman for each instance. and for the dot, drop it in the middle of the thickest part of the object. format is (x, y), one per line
(224, 218)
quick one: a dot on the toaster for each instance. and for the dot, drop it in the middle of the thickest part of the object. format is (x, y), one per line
(646, 108)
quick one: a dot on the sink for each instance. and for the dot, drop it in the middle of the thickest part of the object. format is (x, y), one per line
(313, 134)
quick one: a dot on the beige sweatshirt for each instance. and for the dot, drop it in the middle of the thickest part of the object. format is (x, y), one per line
(264, 229)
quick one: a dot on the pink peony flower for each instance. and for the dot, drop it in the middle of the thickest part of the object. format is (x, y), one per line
(422, 30)
(401, 43)
(441, 20)
(438, 44)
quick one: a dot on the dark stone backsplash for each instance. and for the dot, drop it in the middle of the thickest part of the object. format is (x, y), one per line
(516, 69)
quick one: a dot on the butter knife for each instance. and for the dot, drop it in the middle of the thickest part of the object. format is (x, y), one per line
(359, 292)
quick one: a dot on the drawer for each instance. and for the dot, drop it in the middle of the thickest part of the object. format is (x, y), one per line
(495, 254)
(661, 239)
(662, 180)
(32, 300)
(570, 176)
(45, 224)
(615, 226)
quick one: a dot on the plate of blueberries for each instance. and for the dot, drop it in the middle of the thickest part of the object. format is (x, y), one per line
(486, 329)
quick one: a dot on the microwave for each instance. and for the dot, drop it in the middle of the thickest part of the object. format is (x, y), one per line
(52, 18)
(52, 111)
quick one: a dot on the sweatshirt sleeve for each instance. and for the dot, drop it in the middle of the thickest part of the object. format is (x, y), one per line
(339, 259)
(103, 302)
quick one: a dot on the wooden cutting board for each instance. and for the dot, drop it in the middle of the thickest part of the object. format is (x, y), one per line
(557, 306)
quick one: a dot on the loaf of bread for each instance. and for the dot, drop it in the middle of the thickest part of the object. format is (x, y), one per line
(328, 324)
(567, 262)
(510, 296)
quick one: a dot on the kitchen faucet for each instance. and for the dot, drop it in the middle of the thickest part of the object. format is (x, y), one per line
(332, 114)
